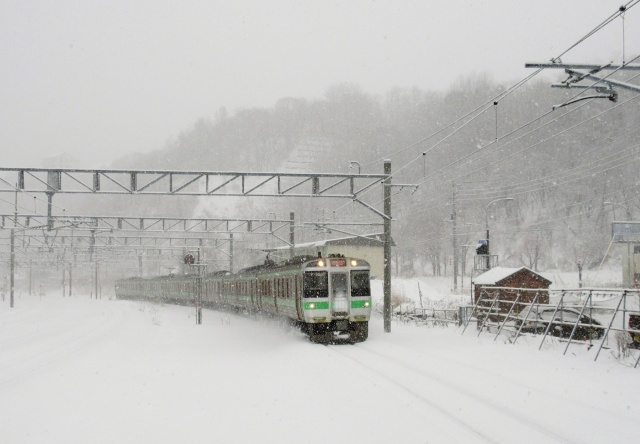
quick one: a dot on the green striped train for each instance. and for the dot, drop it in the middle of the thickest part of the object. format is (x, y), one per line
(329, 297)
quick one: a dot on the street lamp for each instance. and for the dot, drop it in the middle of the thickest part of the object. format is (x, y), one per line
(486, 219)
(630, 277)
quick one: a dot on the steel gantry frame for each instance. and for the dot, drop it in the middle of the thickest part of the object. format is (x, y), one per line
(52, 181)
(105, 231)
(68, 234)
(145, 224)
(185, 183)
(35, 240)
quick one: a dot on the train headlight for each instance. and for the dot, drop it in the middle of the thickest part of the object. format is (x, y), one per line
(312, 306)
(354, 262)
(321, 263)
(366, 304)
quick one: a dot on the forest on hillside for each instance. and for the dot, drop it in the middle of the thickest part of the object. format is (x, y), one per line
(549, 181)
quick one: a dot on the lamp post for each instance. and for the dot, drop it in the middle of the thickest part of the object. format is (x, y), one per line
(630, 276)
(486, 219)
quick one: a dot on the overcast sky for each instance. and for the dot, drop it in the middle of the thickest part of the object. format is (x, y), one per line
(98, 79)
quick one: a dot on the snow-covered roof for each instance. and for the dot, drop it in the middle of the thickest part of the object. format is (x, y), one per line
(497, 274)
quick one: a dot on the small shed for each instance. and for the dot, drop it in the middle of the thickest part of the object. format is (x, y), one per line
(498, 280)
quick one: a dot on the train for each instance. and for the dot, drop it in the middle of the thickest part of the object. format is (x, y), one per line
(329, 298)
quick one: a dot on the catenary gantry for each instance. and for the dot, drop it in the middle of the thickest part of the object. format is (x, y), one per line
(193, 183)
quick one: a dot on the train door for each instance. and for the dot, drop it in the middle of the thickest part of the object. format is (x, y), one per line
(339, 295)
(297, 294)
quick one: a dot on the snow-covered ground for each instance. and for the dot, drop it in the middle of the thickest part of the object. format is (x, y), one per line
(77, 370)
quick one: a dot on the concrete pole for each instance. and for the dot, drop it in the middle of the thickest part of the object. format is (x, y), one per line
(454, 239)
(64, 282)
(231, 252)
(13, 268)
(95, 276)
(292, 237)
(387, 247)
(12, 274)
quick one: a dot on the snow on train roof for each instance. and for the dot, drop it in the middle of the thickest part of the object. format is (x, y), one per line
(365, 239)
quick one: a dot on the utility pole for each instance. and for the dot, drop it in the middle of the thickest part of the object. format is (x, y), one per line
(199, 290)
(72, 262)
(92, 245)
(64, 284)
(12, 277)
(292, 237)
(486, 223)
(453, 238)
(49, 210)
(231, 252)
(387, 247)
(95, 276)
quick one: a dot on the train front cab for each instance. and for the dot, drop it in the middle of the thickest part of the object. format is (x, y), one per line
(336, 299)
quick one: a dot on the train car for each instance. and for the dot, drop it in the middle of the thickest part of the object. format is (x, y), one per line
(172, 289)
(329, 297)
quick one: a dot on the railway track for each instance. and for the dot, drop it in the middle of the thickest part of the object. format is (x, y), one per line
(452, 409)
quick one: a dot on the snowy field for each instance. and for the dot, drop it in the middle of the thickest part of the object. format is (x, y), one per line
(76, 370)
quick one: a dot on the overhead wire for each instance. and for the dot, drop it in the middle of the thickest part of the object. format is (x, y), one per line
(524, 230)
(463, 193)
(486, 105)
(514, 87)
(444, 169)
(538, 143)
(631, 127)
(22, 192)
(511, 193)
(532, 184)
(458, 161)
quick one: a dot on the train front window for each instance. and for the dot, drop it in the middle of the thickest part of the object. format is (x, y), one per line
(316, 284)
(339, 285)
(360, 283)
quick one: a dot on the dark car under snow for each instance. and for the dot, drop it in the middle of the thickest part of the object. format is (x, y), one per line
(562, 320)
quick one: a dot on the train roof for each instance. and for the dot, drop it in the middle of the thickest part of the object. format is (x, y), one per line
(375, 239)
(270, 264)
(294, 262)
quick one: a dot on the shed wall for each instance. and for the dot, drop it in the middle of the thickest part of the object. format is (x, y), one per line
(522, 279)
